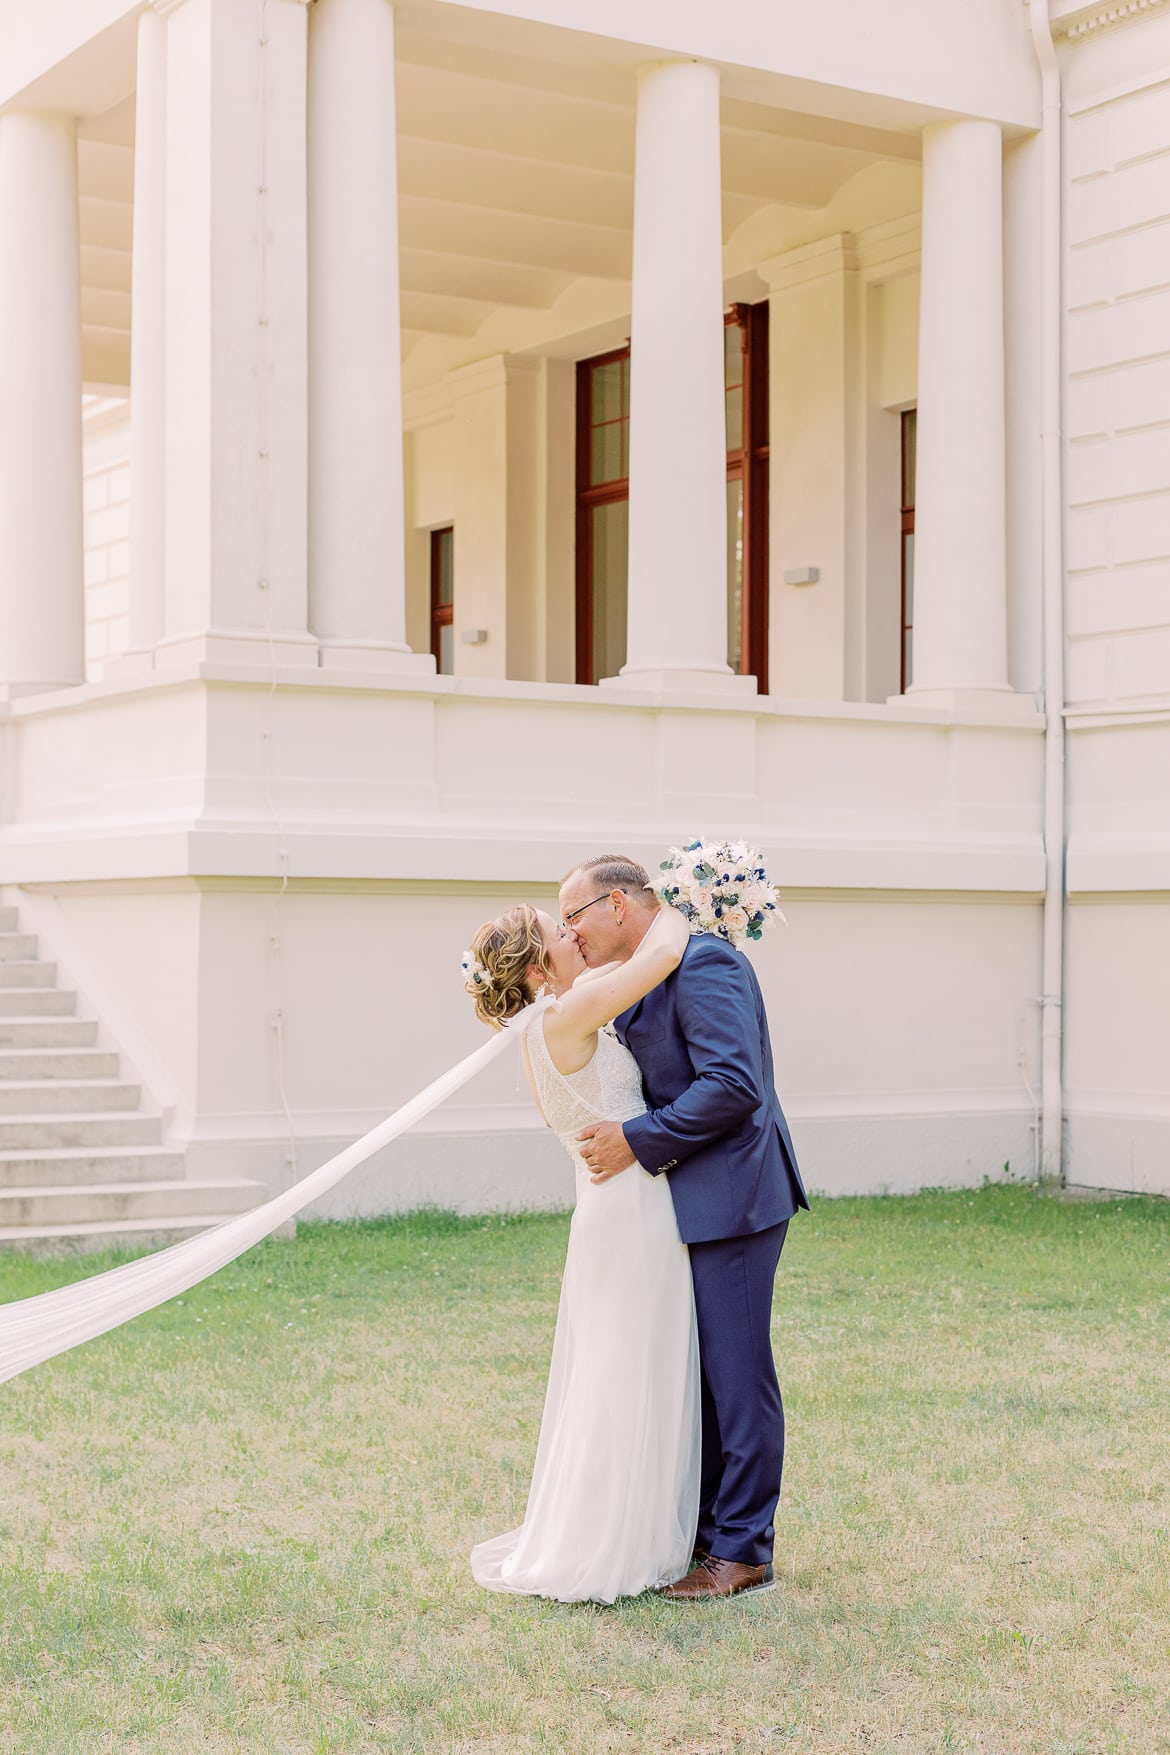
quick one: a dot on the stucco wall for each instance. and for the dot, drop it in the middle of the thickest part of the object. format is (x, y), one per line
(1118, 408)
(1118, 605)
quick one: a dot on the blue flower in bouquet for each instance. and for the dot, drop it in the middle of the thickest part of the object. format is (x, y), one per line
(720, 887)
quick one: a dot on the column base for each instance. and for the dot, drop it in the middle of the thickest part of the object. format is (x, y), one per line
(970, 703)
(375, 656)
(15, 691)
(670, 681)
(252, 650)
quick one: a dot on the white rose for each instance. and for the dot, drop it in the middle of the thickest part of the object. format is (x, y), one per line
(735, 920)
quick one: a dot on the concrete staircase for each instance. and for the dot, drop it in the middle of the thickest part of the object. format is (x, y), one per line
(82, 1164)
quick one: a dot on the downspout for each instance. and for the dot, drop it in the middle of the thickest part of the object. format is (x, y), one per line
(1052, 979)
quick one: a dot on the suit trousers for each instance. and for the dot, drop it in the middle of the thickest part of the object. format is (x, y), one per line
(743, 1415)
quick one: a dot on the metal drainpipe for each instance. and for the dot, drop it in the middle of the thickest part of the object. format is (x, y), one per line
(1052, 996)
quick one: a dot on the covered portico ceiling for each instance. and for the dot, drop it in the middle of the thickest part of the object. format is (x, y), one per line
(516, 180)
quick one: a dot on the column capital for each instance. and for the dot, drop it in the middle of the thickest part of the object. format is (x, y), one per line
(163, 7)
(657, 62)
(494, 373)
(810, 262)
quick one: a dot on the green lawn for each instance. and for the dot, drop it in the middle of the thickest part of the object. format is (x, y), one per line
(242, 1523)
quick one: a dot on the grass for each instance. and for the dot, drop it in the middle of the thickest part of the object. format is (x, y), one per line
(242, 1523)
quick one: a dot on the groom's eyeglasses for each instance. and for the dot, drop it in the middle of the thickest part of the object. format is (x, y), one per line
(577, 912)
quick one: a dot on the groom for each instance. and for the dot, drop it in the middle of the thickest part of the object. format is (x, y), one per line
(715, 1126)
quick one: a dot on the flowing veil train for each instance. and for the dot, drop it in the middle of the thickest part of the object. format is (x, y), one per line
(37, 1328)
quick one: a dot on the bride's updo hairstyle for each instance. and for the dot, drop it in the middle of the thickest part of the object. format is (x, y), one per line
(507, 950)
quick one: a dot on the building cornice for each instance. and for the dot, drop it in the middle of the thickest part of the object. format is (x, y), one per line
(809, 262)
(494, 373)
(879, 252)
(1072, 23)
(427, 405)
(891, 248)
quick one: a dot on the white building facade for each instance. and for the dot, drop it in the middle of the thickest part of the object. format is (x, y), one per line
(441, 441)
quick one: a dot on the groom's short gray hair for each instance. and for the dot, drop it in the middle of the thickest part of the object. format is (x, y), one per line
(613, 871)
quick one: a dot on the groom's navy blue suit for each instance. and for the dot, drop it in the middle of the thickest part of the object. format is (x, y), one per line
(716, 1126)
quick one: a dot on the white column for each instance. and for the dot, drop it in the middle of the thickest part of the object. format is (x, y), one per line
(960, 593)
(148, 350)
(235, 396)
(357, 546)
(677, 615)
(42, 618)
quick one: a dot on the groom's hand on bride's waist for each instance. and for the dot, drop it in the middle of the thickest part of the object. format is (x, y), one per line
(605, 1150)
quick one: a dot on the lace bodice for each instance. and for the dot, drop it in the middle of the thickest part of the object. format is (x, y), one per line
(609, 1088)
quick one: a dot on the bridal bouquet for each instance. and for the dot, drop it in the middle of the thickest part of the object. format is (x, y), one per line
(721, 887)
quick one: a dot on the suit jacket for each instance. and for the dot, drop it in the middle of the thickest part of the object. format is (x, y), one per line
(715, 1121)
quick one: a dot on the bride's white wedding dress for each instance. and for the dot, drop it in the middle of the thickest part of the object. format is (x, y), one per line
(614, 1499)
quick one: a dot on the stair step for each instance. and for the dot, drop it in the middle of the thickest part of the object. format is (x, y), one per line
(39, 1002)
(117, 1234)
(8, 919)
(36, 1133)
(42, 1097)
(28, 973)
(64, 1165)
(87, 1203)
(24, 1064)
(18, 947)
(47, 1032)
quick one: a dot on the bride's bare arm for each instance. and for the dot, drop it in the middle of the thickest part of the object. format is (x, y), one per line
(594, 999)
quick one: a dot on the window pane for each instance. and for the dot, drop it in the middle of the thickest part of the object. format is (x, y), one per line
(733, 403)
(607, 399)
(732, 355)
(735, 575)
(610, 542)
(907, 608)
(447, 650)
(444, 541)
(608, 463)
(909, 457)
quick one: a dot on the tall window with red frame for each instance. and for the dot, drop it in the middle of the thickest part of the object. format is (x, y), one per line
(909, 462)
(603, 492)
(443, 599)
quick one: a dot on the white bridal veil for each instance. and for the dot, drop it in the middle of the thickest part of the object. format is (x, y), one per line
(33, 1329)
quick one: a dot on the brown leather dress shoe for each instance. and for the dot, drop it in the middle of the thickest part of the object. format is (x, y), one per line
(714, 1578)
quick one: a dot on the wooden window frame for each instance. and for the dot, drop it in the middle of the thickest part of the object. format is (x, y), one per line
(749, 464)
(442, 614)
(588, 497)
(908, 498)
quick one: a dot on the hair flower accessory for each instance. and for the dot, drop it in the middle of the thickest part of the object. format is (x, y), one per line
(475, 976)
(722, 888)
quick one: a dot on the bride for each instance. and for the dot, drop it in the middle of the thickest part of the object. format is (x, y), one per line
(613, 1504)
